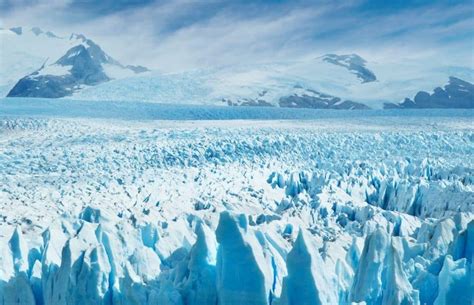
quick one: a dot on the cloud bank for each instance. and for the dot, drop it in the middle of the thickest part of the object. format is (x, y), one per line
(186, 34)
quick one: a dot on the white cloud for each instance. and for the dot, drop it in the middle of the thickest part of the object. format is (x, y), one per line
(177, 35)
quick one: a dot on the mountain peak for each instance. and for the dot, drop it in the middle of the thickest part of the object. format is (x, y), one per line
(459, 82)
(457, 93)
(83, 64)
(71, 54)
(354, 63)
(84, 68)
(73, 70)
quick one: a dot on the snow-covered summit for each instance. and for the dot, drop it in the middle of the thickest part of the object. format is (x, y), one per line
(354, 63)
(77, 67)
(43, 64)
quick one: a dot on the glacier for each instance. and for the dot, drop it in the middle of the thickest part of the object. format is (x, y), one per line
(332, 209)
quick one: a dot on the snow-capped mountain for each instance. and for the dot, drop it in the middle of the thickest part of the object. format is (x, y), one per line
(456, 94)
(353, 63)
(58, 66)
(312, 83)
(287, 84)
(84, 71)
(42, 64)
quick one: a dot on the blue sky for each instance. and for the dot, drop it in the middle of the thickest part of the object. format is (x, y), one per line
(174, 35)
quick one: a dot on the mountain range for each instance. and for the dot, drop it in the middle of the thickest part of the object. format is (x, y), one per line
(456, 94)
(39, 63)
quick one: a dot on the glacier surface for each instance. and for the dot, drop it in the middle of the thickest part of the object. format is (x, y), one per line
(343, 209)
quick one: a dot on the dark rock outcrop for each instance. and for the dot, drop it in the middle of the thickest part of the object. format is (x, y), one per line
(315, 102)
(137, 69)
(85, 70)
(354, 63)
(305, 98)
(456, 94)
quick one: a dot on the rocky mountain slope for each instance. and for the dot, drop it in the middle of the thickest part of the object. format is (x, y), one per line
(83, 63)
(456, 94)
(354, 63)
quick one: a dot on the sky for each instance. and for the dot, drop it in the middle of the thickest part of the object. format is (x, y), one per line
(186, 34)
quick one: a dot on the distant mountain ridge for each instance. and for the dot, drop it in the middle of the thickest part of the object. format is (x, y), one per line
(85, 66)
(300, 98)
(456, 94)
(43, 64)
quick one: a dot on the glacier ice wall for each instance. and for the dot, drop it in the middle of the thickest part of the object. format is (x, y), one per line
(91, 263)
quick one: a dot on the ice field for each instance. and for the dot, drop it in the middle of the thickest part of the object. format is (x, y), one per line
(111, 203)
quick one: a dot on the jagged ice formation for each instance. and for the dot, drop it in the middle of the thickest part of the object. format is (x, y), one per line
(321, 212)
